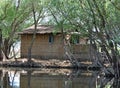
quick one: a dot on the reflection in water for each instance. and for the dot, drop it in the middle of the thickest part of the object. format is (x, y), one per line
(29, 79)
(14, 79)
(116, 83)
(54, 78)
(4, 80)
(68, 84)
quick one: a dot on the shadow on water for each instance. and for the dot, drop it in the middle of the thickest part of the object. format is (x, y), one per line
(54, 78)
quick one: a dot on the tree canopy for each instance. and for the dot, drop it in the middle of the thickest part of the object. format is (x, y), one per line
(96, 19)
(16, 15)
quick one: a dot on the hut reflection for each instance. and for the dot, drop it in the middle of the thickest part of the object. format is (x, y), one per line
(55, 79)
(45, 80)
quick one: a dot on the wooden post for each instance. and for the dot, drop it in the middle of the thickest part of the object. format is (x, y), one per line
(1, 57)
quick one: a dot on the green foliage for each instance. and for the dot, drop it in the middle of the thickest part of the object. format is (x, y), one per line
(84, 16)
(15, 15)
(92, 18)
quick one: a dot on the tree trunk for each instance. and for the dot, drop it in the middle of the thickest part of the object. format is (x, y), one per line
(1, 57)
(30, 48)
(6, 48)
(115, 63)
(34, 35)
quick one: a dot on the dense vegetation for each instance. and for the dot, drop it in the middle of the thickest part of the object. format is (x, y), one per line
(96, 19)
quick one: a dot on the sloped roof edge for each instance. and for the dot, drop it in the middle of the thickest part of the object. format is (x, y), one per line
(41, 29)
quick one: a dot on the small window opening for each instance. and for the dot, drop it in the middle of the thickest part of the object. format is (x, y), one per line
(51, 38)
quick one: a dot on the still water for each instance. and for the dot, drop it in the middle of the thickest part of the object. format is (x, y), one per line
(52, 78)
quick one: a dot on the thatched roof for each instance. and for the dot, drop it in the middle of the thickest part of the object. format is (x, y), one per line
(45, 29)
(41, 29)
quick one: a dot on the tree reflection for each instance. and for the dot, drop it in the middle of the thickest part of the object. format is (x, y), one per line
(86, 79)
(108, 82)
(116, 83)
(6, 82)
(29, 78)
(93, 80)
(73, 74)
(12, 79)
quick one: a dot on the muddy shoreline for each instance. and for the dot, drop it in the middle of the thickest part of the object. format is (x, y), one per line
(63, 64)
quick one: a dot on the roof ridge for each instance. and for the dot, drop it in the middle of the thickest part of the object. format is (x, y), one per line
(41, 29)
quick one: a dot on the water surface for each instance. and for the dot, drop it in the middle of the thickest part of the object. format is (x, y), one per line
(52, 78)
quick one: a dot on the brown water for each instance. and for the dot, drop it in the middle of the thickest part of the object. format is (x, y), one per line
(51, 78)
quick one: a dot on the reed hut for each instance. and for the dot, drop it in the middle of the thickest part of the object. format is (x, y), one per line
(49, 43)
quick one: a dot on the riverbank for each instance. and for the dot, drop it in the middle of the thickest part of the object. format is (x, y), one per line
(53, 63)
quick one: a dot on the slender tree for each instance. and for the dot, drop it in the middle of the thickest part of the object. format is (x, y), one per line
(37, 11)
(1, 57)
